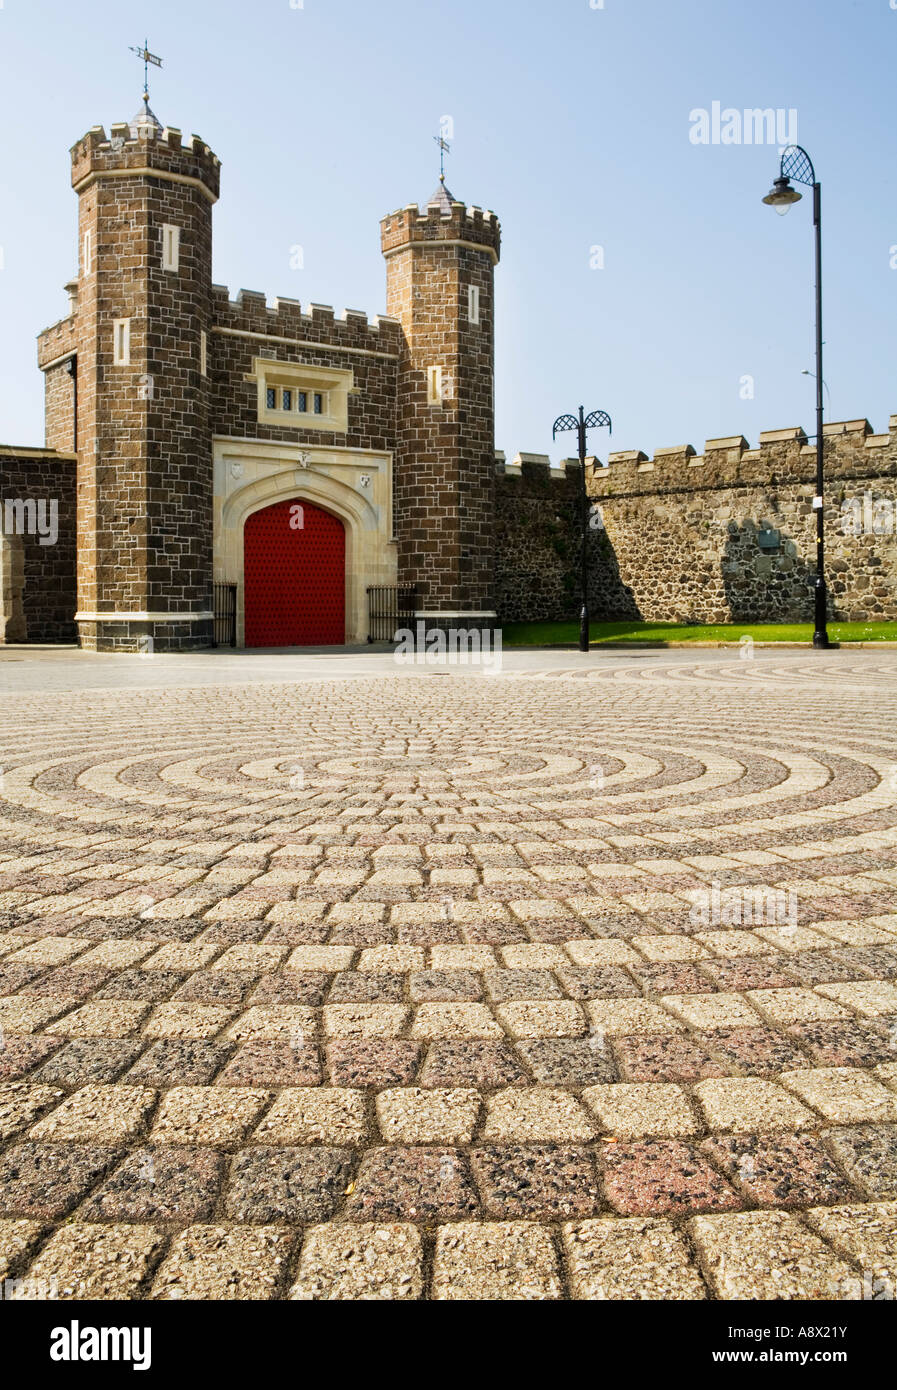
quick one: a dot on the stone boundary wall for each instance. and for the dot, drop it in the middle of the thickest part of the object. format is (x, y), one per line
(537, 549)
(725, 536)
(37, 581)
(729, 535)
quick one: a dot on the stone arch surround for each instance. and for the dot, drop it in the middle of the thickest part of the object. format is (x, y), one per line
(251, 475)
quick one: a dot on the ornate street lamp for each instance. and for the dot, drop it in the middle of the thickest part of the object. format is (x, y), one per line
(599, 419)
(797, 164)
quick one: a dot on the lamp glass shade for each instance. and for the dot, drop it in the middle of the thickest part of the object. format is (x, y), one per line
(782, 196)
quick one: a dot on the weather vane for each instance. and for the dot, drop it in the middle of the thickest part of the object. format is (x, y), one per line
(146, 58)
(444, 149)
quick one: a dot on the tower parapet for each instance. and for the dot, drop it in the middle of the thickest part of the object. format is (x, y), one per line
(133, 148)
(441, 220)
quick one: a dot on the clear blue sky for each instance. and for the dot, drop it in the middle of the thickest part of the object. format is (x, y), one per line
(572, 123)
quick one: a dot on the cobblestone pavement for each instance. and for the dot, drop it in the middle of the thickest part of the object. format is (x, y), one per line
(562, 984)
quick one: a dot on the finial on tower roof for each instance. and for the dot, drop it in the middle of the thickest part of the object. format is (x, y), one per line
(146, 58)
(444, 149)
(442, 196)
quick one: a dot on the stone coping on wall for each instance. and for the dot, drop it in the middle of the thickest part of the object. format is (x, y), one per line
(35, 452)
(535, 470)
(783, 457)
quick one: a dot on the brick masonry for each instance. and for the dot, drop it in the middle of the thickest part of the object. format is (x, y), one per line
(38, 580)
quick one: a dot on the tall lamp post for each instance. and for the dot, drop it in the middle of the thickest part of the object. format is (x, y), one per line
(599, 419)
(797, 165)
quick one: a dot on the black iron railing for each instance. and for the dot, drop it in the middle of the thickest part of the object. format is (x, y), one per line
(389, 609)
(225, 615)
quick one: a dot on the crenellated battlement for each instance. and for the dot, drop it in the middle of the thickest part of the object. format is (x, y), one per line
(538, 470)
(781, 456)
(288, 320)
(140, 147)
(441, 221)
(57, 341)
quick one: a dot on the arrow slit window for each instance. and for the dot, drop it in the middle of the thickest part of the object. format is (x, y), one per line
(434, 386)
(171, 248)
(121, 342)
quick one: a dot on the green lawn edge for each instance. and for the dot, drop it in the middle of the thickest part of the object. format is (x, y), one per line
(567, 633)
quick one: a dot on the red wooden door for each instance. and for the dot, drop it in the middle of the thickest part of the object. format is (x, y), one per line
(294, 577)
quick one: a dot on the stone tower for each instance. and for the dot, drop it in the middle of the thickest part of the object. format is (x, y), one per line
(143, 304)
(440, 271)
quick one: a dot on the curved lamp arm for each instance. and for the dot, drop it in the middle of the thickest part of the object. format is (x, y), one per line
(599, 419)
(797, 165)
(562, 423)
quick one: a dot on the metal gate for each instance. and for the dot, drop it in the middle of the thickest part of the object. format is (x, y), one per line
(388, 610)
(225, 628)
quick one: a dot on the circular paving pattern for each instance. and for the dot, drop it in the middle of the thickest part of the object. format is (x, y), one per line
(561, 984)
